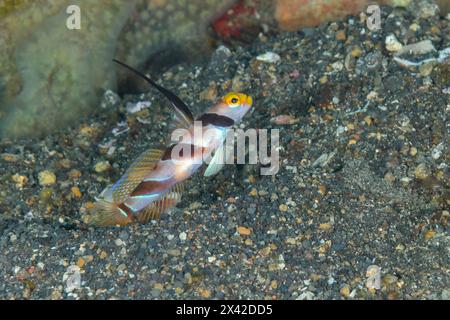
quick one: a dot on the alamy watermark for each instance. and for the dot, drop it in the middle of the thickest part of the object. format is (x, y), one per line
(73, 21)
(201, 145)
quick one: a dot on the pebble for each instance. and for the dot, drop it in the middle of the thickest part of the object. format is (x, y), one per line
(284, 120)
(421, 171)
(119, 242)
(373, 275)
(325, 226)
(436, 153)
(47, 178)
(389, 177)
(392, 44)
(56, 295)
(283, 207)
(268, 57)
(389, 280)
(174, 252)
(204, 293)
(76, 192)
(9, 157)
(429, 234)
(72, 278)
(243, 231)
(183, 236)
(345, 291)
(19, 180)
(102, 166)
(81, 262)
(340, 35)
(123, 235)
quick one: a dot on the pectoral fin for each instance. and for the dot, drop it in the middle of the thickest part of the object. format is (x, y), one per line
(217, 162)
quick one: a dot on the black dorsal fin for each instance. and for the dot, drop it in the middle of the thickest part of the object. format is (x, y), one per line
(181, 108)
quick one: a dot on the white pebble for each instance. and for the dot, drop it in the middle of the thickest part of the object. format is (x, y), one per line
(183, 236)
(392, 44)
(269, 57)
(437, 151)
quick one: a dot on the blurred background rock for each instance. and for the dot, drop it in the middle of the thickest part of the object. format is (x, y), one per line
(51, 76)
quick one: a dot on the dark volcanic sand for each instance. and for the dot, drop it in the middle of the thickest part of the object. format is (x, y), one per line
(363, 181)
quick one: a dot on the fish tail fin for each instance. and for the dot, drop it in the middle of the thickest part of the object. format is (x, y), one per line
(107, 213)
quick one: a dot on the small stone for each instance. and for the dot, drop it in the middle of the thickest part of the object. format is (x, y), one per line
(204, 293)
(389, 280)
(9, 157)
(19, 180)
(413, 151)
(179, 290)
(429, 234)
(253, 192)
(76, 192)
(291, 241)
(72, 278)
(345, 291)
(274, 284)
(103, 255)
(323, 189)
(81, 262)
(337, 66)
(119, 242)
(248, 242)
(340, 35)
(368, 120)
(283, 207)
(56, 295)
(425, 69)
(389, 177)
(325, 226)
(102, 166)
(373, 275)
(46, 178)
(195, 205)
(421, 172)
(174, 252)
(231, 208)
(323, 80)
(243, 231)
(268, 57)
(158, 286)
(209, 93)
(182, 236)
(284, 120)
(436, 153)
(74, 174)
(392, 44)
(356, 52)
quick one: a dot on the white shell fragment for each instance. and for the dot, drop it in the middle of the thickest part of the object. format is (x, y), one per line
(392, 44)
(136, 107)
(269, 57)
(421, 47)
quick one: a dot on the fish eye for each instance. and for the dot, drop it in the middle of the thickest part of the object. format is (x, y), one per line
(232, 100)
